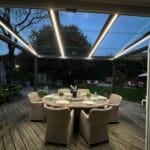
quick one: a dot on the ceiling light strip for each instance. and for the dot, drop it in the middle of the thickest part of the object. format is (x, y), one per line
(30, 49)
(57, 33)
(127, 50)
(104, 33)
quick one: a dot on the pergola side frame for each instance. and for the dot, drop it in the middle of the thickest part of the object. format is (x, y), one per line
(147, 131)
(128, 7)
(35, 73)
(147, 138)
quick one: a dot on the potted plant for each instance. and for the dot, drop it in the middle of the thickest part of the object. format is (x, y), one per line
(42, 93)
(60, 93)
(88, 94)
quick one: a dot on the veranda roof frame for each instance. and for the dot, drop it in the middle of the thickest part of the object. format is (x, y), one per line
(20, 39)
(128, 7)
(132, 7)
(56, 26)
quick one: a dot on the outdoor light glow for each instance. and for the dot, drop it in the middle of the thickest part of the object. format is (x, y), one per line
(103, 35)
(56, 29)
(17, 66)
(119, 54)
(18, 38)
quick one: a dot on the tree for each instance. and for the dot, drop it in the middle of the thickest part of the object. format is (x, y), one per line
(74, 41)
(44, 41)
(18, 19)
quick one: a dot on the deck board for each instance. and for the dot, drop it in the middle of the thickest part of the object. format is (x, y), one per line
(19, 144)
(8, 142)
(1, 144)
(39, 144)
(25, 137)
(19, 133)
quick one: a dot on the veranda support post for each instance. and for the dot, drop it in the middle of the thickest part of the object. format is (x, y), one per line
(113, 75)
(35, 72)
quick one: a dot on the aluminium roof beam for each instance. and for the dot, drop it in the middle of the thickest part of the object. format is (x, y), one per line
(132, 47)
(109, 23)
(137, 51)
(22, 41)
(8, 40)
(55, 22)
(126, 7)
(75, 58)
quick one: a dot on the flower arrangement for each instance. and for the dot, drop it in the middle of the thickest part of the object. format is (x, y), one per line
(73, 88)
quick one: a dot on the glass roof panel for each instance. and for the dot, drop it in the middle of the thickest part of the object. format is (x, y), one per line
(3, 48)
(3, 45)
(125, 31)
(35, 27)
(41, 35)
(79, 31)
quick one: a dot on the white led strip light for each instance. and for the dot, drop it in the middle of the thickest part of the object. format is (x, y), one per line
(103, 35)
(127, 50)
(56, 29)
(30, 49)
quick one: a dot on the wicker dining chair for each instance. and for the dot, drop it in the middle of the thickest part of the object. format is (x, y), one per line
(37, 113)
(59, 124)
(94, 126)
(114, 102)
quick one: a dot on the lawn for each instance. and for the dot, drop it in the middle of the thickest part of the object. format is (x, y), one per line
(130, 94)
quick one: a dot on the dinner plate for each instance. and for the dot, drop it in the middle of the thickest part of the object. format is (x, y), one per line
(102, 97)
(88, 102)
(98, 98)
(50, 97)
(67, 94)
(62, 102)
(75, 99)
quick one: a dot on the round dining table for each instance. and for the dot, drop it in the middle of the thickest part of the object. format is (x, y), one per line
(79, 102)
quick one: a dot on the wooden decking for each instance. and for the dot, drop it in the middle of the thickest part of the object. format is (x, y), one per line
(18, 133)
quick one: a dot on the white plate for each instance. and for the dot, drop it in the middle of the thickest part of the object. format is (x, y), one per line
(62, 102)
(88, 102)
(75, 99)
(67, 94)
(102, 97)
(49, 96)
(96, 98)
(82, 94)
